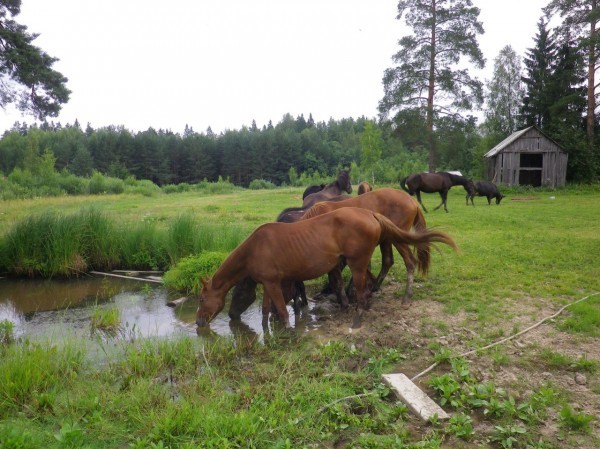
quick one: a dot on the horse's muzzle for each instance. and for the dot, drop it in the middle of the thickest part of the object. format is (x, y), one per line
(201, 322)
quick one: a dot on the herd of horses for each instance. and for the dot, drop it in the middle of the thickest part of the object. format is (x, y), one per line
(329, 231)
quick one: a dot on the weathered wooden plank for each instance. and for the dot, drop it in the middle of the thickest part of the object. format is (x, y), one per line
(414, 397)
(176, 302)
(156, 278)
(125, 277)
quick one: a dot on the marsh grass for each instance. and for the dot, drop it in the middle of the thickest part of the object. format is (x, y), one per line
(107, 320)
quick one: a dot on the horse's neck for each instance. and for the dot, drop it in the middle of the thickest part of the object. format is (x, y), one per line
(457, 180)
(231, 271)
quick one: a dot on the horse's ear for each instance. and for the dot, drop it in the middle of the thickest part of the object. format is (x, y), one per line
(203, 281)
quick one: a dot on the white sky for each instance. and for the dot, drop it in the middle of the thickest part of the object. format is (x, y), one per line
(223, 63)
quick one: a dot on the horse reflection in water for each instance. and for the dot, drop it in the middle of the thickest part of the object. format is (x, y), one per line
(277, 254)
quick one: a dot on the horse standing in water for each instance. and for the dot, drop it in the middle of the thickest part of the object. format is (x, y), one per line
(277, 253)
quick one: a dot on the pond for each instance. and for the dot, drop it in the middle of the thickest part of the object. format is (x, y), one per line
(54, 308)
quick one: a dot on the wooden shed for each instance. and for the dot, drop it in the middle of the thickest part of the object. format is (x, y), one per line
(527, 157)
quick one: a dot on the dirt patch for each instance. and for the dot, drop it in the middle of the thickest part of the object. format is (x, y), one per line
(520, 366)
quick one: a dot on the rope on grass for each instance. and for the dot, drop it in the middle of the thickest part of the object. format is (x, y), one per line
(509, 338)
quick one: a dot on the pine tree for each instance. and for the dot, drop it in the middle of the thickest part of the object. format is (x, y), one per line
(428, 80)
(26, 75)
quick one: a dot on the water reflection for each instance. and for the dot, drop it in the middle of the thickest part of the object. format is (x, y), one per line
(57, 307)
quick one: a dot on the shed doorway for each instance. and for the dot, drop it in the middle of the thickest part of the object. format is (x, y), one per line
(530, 172)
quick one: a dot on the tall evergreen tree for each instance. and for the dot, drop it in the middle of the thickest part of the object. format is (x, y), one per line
(581, 19)
(505, 92)
(538, 71)
(26, 75)
(427, 77)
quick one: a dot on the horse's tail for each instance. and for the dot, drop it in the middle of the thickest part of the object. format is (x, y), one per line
(423, 252)
(403, 184)
(284, 217)
(421, 240)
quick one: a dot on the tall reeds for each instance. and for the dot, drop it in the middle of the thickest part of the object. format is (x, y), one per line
(56, 245)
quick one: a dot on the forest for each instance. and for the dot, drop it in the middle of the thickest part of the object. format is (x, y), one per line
(433, 116)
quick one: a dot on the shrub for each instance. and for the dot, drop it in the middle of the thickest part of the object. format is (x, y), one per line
(185, 275)
(261, 184)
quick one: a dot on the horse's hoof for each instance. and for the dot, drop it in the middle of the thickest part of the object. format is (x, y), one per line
(357, 322)
(405, 305)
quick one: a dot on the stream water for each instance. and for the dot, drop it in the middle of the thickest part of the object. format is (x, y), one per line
(55, 308)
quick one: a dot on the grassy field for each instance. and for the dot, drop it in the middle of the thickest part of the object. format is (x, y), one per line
(518, 262)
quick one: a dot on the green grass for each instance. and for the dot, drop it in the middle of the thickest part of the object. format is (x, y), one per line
(517, 261)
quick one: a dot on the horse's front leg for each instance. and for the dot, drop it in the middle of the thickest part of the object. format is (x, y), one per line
(274, 296)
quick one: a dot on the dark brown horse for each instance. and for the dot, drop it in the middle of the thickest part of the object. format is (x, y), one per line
(405, 213)
(277, 253)
(439, 182)
(313, 189)
(333, 189)
(330, 192)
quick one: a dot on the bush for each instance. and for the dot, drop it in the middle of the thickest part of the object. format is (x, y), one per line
(185, 275)
(261, 184)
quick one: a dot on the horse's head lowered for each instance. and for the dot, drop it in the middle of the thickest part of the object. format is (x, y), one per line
(210, 304)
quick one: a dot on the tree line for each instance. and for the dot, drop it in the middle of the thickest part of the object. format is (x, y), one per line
(426, 117)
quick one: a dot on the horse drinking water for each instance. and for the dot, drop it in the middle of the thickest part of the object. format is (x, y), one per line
(277, 253)
(439, 182)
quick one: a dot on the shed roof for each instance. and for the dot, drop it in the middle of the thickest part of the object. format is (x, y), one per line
(510, 139)
(514, 136)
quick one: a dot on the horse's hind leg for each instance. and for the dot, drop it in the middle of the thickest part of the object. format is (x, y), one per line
(387, 260)
(444, 195)
(336, 282)
(418, 193)
(410, 263)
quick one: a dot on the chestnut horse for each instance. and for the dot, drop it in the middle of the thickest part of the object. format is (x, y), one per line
(439, 182)
(364, 187)
(405, 213)
(277, 253)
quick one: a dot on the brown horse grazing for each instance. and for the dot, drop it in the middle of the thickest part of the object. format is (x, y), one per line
(439, 182)
(276, 253)
(405, 213)
(364, 187)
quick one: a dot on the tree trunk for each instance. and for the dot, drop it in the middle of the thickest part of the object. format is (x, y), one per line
(591, 97)
(430, 94)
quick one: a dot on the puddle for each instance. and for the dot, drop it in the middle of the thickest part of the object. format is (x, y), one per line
(55, 308)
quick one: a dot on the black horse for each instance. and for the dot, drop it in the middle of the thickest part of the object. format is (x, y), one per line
(439, 182)
(487, 189)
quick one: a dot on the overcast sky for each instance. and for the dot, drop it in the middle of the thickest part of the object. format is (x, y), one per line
(224, 63)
